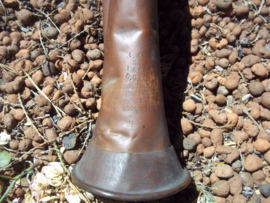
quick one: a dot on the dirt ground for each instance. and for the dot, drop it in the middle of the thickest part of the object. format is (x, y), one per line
(215, 75)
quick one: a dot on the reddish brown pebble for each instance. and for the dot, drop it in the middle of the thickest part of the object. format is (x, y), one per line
(221, 188)
(238, 198)
(235, 185)
(253, 163)
(217, 137)
(209, 152)
(261, 145)
(247, 179)
(224, 171)
(71, 156)
(14, 144)
(50, 134)
(25, 145)
(18, 192)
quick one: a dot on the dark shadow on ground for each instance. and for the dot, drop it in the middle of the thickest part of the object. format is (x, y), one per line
(175, 39)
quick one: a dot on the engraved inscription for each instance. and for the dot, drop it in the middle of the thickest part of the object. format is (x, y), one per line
(113, 167)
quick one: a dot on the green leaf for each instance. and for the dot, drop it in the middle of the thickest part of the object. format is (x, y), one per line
(4, 158)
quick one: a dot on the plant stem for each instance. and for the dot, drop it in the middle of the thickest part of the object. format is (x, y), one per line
(15, 180)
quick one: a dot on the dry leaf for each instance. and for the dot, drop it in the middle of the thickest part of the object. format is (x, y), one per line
(54, 174)
(4, 138)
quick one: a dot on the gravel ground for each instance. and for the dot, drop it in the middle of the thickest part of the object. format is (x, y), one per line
(215, 69)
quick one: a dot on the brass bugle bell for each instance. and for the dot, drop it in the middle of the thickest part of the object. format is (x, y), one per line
(130, 157)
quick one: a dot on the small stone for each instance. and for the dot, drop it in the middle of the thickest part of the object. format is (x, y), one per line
(206, 181)
(217, 137)
(235, 185)
(19, 192)
(10, 3)
(200, 149)
(234, 155)
(93, 54)
(197, 175)
(71, 156)
(189, 105)
(220, 200)
(258, 177)
(237, 166)
(265, 201)
(247, 179)
(213, 178)
(261, 145)
(265, 189)
(50, 32)
(206, 142)
(69, 141)
(253, 163)
(221, 188)
(50, 134)
(255, 198)
(224, 171)
(189, 144)
(209, 152)
(239, 199)
(267, 156)
(223, 4)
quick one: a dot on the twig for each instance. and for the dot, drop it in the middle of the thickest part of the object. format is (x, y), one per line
(73, 37)
(87, 137)
(86, 72)
(75, 90)
(49, 19)
(17, 105)
(98, 4)
(84, 197)
(26, 153)
(242, 161)
(5, 67)
(68, 132)
(34, 70)
(59, 155)
(15, 180)
(56, 108)
(227, 125)
(6, 19)
(42, 117)
(245, 110)
(261, 6)
(66, 95)
(28, 118)
(41, 42)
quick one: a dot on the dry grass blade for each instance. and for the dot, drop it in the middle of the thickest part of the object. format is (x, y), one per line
(28, 118)
(25, 153)
(87, 137)
(77, 35)
(6, 68)
(227, 125)
(5, 11)
(55, 107)
(59, 155)
(205, 191)
(41, 42)
(75, 90)
(49, 19)
(245, 110)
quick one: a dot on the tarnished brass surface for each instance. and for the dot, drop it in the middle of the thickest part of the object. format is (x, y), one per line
(130, 156)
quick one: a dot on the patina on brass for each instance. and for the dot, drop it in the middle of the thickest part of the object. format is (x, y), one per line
(130, 156)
